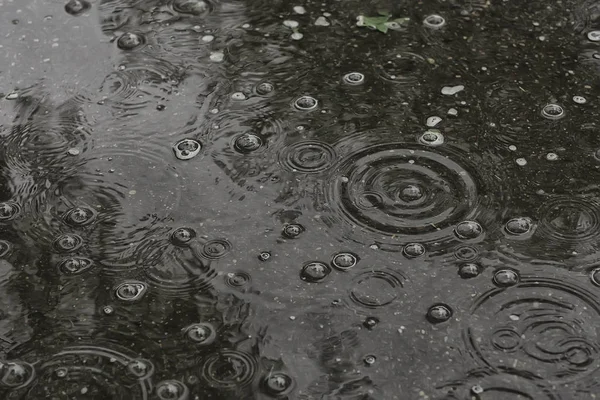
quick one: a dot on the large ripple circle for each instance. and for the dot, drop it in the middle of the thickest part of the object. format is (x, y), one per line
(546, 326)
(401, 189)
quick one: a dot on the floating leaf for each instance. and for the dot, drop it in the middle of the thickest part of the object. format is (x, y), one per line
(382, 22)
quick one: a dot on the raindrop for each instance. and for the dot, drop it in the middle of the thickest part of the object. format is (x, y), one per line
(237, 279)
(506, 277)
(439, 313)
(140, 368)
(74, 265)
(61, 372)
(67, 243)
(518, 226)
(370, 322)
(291, 23)
(79, 216)
(433, 121)
(579, 99)
(411, 193)
(468, 230)
(5, 247)
(208, 38)
(553, 111)
(551, 156)
(171, 390)
(108, 310)
(521, 162)
(201, 333)
(264, 255)
(432, 138)
(229, 369)
(308, 157)
(9, 210)
(264, 88)
(73, 152)
(595, 276)
(238, 96)
(216, 248)
(354, 78)
(374, 289)
(469, 270)
(130, 41)
(77, 7)
(594, 36)
(15, 374)
(247, 143)
(315, 271)
(131, 291)
(413, 250)
(217, 56)
(466, 253)
(477, 389)
(370, 360)
(296, 36)
(292, 231)
(194, 7)
(344, 261)
(434, 21)
(277, 384)
(182, 236)
(187, 148)
(306, 103)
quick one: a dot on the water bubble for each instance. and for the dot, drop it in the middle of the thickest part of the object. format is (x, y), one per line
(439, 313)
(216, 248)
(308, 157)
(131, 290)
(292, 231)
(518, 226)
(291, 23)
(237, 279)
(594, 36)
(247, 143)
(344, 261)
(194, 7)
(370, 322)
(217, 56)
(108, 310)
(521, 162)
(140, 368)
(451, 91)
(73, 151)
(413, 250)
(476, 389)
(186, 149)
(130, 41)
(469, 270)
(277, 384)
(466, 253)
(264, 88)
(374, 289)
(229, 369)
(15, 374)
(468, 230)
(67, 243)
(9, 210)
(264, 255)
(171, 390)
(411, 193)
(432, 137)
(201, 333)
(79, 216)
(77, 7)
(354, 78)
(314, 271)
(61, 372)
(551, 156)
(74, 265)
(306, 103)
(579, 99)
(5, 247)
(297, 36)
(182, 236)
(553, 111)
(506, 277)
(207, 38)
(369, 360)
(433, 121)
(238, 96)
(595, 276)
(434, 21)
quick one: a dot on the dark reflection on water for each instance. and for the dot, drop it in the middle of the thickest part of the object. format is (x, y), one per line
(206, 199)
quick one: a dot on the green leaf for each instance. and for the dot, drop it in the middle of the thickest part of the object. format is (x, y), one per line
(382, 23)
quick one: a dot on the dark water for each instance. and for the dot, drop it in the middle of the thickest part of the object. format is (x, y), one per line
(252, 200)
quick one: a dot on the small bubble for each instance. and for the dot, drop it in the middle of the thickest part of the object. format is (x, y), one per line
(370, 360)
(61, 372)
(433, 121)
(264, 256)
(315, 271)
(216, 248)
(79, 216)
(201, 333)
(130, 291)
(296, 36)
(299, 10)
(553, 111)
(140, 368)
(354, 78)
(108, 310)
(477, 389)
(432, 137)
(466, 253)
(413, 250)
(216, 56)
(439, 313)
(434, 21)
(247, 143)
(73, 152)
(77, 7)
(291, 23)
(130, 41)
(521, 162)
(595, 276)
(160, 107)
(9, 210)
(187, 149)
(506, 277)
(264, 88)
(171, 390)
(238, 96)
(208, 38)
(579, 99)
(370, 322)
(67, 243)
(182, 236)
(512, 147)
(292, 231)
(237, 279)
(594, 36)
(276, 384)
(306, 103)
(518, 226)
(74, 265)
(469, 270)
(551, 156)
(468, 230)
(344, 261)
(453, 112)
(411, 193)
